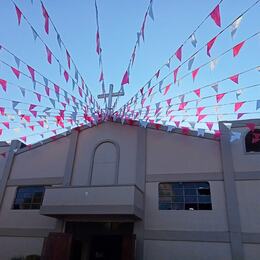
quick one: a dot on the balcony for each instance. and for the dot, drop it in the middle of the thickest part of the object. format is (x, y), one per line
(96, 201)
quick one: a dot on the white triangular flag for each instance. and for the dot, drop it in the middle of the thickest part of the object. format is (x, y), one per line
(235, 26)
(201, 132)
(193, 40)
(213, 64)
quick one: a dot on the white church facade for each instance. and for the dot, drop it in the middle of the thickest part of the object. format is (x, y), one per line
(123, 192)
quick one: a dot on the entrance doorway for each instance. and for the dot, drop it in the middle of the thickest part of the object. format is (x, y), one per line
(106, 248)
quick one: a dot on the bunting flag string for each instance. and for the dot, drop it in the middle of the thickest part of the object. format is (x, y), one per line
(50, 56)
(190, 60)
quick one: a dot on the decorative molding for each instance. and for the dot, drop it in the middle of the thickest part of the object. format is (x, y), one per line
(212, 176)
(35, 181)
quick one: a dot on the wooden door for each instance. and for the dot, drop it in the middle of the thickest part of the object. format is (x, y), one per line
(128, 247)
(57, 246)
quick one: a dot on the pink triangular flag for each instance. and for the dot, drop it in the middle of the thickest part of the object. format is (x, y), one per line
(125, 79)
(39, 97)
(175, 73)
(3, 84)
(197, 92)
(16, 72)
(195, 73)
(168, 101)
(167, 89)
(215, 15)
(23, 138)
(101, 78)
(178, 53)
(31, 107)
(238, 105)
(199, 109)
(220, 96)
(34, 113)
(2, 111)
(47, 90)
(56, 88)
(177, 123)
(239, 115)
(41, 123)
(234, 78)
(201, 117)
(68, 58)
(80, 91)
(6, 124)
(32, 72)
(236, 49)
(46, 18)
(19, 14)
(49, 54)
(66, 75)
(210, 45)
(182, 105)
(157, 74)
(209, 125)
(31, 127)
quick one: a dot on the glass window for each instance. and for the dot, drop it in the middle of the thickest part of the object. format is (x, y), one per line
(184, 196)
(29, 197)
(252, 141)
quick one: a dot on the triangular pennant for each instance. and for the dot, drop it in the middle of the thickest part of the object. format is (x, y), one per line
(3, 84)
(68, 58)
(59, 40)
(239, 115)
(201, 117)
(215, 87)
(157, 74)
(197, 92)
(190, 62)
(235, 78)
(237, 48)
(22, 91)
(238, 105)
(46, 18)
(125, 79)
(209, 125)
(14, 104)
(199, 110)
(235, 26)
(178, 53)
(220, 96)
(101, 78)
(215, 15)
(210, 45)
(39, 97)
(6, 124)
(193, 40)
(160, 85)
(167, 88)
(213, 64)
(182, 105)
(238, 93)
(19, 14)
(151, 11)
(175, 74)
(257, 104)
(32, 72)
(16, 72)
(66, 75)
(17, 61)
(49, 54)
(195, 73)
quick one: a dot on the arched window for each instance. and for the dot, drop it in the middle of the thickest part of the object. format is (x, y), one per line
(105, 164)
(252, 141)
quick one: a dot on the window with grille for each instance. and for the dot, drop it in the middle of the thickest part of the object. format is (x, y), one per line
(184, 196)
(29, 197)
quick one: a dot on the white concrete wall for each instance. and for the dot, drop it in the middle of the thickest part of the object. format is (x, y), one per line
(186, 220)
(176, 153)
(181, 250)
(244, 162)
(20, 219)
(47, 160)
(19, 246)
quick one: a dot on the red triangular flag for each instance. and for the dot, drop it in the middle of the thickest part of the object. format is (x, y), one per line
(3, 84)
(201, 117)
(34, 113)
(238, 105)
(23, 138)
(31, 107)
(32, 72)
(19, 14)
(101, 78)
(39, 97)
(197, 92)
(2, 111)
(178, 53)
(47, 90)
(49, 54)
(177, 123)
(16, 72)
(234, 78)
(210, 45)
(31, 127)
(215, 15)
(56, 88)
(41, 123)
(66, 75)
(194, 73)
(125, 79)
(220, 96)
(168, 101)
(68, 58)
(182, 105)
(209, 125)
(236, 49)
(175, 73)
(167, 89)
(46, 18)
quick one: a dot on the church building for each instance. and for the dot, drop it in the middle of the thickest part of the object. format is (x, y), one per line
(123, 192)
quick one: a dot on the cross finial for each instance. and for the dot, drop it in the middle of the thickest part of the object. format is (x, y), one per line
(110, 95)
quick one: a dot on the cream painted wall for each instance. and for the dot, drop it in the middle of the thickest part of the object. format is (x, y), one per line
(125, 136)
(185, 220)
(249, 205)
(47, 160)
(181, 250)
(243, 161)
(176, 153)
(19, 246)
(22, 218)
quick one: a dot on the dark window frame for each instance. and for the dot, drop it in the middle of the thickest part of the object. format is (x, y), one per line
(250, 147)
(31, 191)
(184, 196)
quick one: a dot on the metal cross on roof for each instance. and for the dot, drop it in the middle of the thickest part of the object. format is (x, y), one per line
(110, 95)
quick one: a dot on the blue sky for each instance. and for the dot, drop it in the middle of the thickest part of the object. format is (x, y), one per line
(119, 23)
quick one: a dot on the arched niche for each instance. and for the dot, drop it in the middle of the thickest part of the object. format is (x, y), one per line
(252, 141)
(105, 163)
